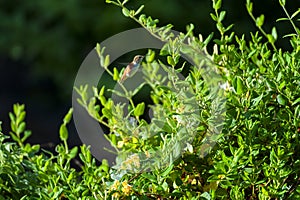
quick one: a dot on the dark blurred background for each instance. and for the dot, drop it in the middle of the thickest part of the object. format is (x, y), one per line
(42, 44)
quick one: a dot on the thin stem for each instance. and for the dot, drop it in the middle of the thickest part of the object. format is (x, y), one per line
(122, 86)
(126, 94)
(135, 19)
(290, 19)
(261, 30)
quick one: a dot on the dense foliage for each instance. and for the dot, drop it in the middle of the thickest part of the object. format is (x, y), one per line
(255, 157)
(28, 172)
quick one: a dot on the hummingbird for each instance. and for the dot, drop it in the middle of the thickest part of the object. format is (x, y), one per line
(132, 67)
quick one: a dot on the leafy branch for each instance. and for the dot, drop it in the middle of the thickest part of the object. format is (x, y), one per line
(259, 21)
(289, 18)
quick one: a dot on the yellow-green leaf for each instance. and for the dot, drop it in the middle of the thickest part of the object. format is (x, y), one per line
(260, 20)
(68, 116)
(125, 12)
(281, 99)
(139, 10)
(171, 61)
(238, 85)
(106, 61)
(139, 110)
(116, 74)
(63, 132)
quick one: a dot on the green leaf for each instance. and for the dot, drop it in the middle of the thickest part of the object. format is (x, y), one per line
(91, 105)
(251, 53)
(274, 33)
(238, 85)
(131, 13)
(205, 196)
(220, 27)
(21, 117)
(95, 91)
(282, 3)
(290, 35)
(21, 128)
(139, 10)
(116, 74)
(150, 56)
(282, 19)
(12, 117)
(16, 109)
(214, 17)
(26, 135)
(139, 110)
(228, 28)
(136, 90)
(102, 100)
(296, 101)
(218, 42)
(68, 116)
(281, 99)
(271, 39)
(113, 139)
(102, 91)
(171, 61)
(217, 5)
(150, 177)
(222, 15)
(124, 2)
(98, 49)
(106, 113)
(104, 165)
(297, 112)
(118, 93)
(106, 61)
(63, 132)
(73, 152)
(295, 13)
(143, 18)
(190, 29)
(14, 137)
(125, 12)
(208, 39)
(249, 6)
(260, 20)
(165, 50)
(165, 186)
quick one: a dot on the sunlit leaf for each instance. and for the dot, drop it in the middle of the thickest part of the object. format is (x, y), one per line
(260, 20)
(281, 99)
(125, 12)
(139, 110)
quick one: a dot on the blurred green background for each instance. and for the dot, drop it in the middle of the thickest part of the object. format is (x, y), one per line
(42, 44)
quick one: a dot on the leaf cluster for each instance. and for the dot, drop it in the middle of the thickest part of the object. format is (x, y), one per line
(29, 172)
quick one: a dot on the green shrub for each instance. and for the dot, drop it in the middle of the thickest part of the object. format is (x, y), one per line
(255, 157)
(256, 154)
(27, 172)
